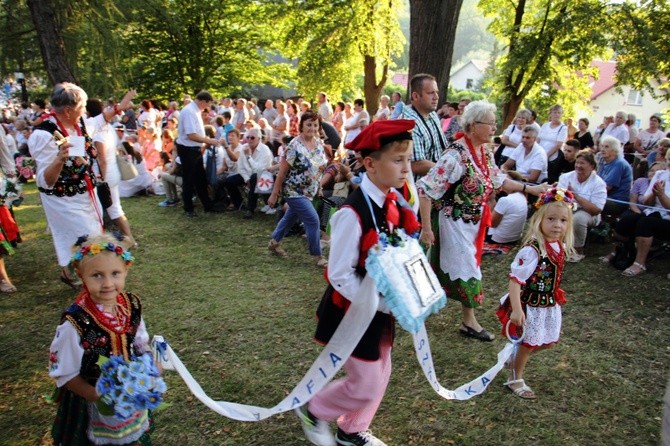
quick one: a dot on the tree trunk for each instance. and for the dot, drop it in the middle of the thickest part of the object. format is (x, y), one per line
(51, 42)
(372, 88)
(432, 31)
(510, 107)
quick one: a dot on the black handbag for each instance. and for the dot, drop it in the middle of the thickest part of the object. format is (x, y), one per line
(104, 194)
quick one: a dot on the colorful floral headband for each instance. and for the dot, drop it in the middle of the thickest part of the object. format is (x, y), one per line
(556, 194)
(97, 248)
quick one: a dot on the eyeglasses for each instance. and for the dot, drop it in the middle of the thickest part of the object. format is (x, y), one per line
(251, 137)
(490, 124)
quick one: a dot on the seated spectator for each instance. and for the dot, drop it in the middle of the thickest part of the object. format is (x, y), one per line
(141, 184)
(223, 126)
(529, 158)
(659, 151)
(646, 226)
(150, 149)
(253, 158)
(641, 185)
(617, 174)
(509, 216)
(590, 197)
(511, 137)
(171, 179)
(618, 129)
(567, 163)
(646, 139)
(228, 168)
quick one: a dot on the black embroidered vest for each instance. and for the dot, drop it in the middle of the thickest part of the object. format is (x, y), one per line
(96, 339)
(541, 286)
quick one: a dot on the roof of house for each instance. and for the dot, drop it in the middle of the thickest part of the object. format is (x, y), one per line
(606, 80)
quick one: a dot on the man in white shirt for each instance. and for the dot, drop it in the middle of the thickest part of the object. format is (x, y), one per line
(529, 158)
(325, 110)
(270, 112)
(590, 197)
(191, 137)
(254, 158)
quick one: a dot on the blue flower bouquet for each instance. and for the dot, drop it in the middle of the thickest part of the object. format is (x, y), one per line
(126, 387)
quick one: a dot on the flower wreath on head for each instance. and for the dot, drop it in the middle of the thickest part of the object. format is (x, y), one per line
(556, 194)
(97, 248)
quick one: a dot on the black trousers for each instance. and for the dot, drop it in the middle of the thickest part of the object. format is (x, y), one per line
(233, 184)
(193, 174)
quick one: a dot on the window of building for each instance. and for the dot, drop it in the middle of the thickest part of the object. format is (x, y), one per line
(634, 97)
(469, 83)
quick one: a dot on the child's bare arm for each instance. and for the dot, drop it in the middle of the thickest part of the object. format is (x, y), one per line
(517, 317)
(79, 386)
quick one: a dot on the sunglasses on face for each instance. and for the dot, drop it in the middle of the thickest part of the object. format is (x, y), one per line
(251, 137)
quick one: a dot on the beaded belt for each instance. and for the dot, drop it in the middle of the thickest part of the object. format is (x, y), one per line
(469, 213)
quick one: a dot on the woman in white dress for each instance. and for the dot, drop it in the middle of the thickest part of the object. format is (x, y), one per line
(64, 173)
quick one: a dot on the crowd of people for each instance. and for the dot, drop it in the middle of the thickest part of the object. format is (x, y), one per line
(305, 161)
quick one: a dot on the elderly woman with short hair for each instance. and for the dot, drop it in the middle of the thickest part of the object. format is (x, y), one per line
(617, 174)
(66, 181)
(458, 189)
(590, 197)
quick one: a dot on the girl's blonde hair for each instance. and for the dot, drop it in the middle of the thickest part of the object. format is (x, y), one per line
(115, 243)
(534, 231)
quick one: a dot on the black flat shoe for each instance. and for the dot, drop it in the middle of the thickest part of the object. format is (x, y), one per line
(482, 335)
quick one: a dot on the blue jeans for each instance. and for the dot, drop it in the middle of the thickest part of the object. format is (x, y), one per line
(301, 208)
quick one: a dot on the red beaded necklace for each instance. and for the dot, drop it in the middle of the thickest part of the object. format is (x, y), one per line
(480, 161)
(118, 323)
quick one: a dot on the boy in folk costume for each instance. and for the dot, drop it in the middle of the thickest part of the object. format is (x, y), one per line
(386, 149)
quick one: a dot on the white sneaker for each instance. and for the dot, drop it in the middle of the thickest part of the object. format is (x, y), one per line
(271, 211)
(316, 431)
(575, 257)
(364, 438)
(265, 208)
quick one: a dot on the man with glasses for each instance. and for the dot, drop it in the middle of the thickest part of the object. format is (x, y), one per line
(190, 139)
(429, 141)
(254, 158)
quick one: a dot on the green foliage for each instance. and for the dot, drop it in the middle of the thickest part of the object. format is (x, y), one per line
(330, 38)
(640, 40)
(544, 39)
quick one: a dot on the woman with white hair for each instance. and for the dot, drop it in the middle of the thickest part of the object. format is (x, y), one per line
(617, 174)
(64, 154)
(458, 189)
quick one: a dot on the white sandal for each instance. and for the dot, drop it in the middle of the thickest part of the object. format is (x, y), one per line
(628, 272)
(524, 391)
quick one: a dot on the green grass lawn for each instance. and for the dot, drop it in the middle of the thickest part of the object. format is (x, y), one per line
(242, 321)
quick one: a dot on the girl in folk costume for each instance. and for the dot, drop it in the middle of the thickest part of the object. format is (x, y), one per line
(535, 298)
(103, 321)
(386, 148)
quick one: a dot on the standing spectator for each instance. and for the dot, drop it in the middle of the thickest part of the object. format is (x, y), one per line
(129, 119)
(584, 135)
(241, 115)
(105, 142)
(338, 117)
(384, 111)
(455, 125)
(398, 105)
(357, 122)
(617, 174)
(253, 158)
(590, 197)
(279, 126)
(189, 144)
(551, 137)
(533, 120)
(269, 112)
(298, 182)
(429, 141)
(147, 116)
(325, 110)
